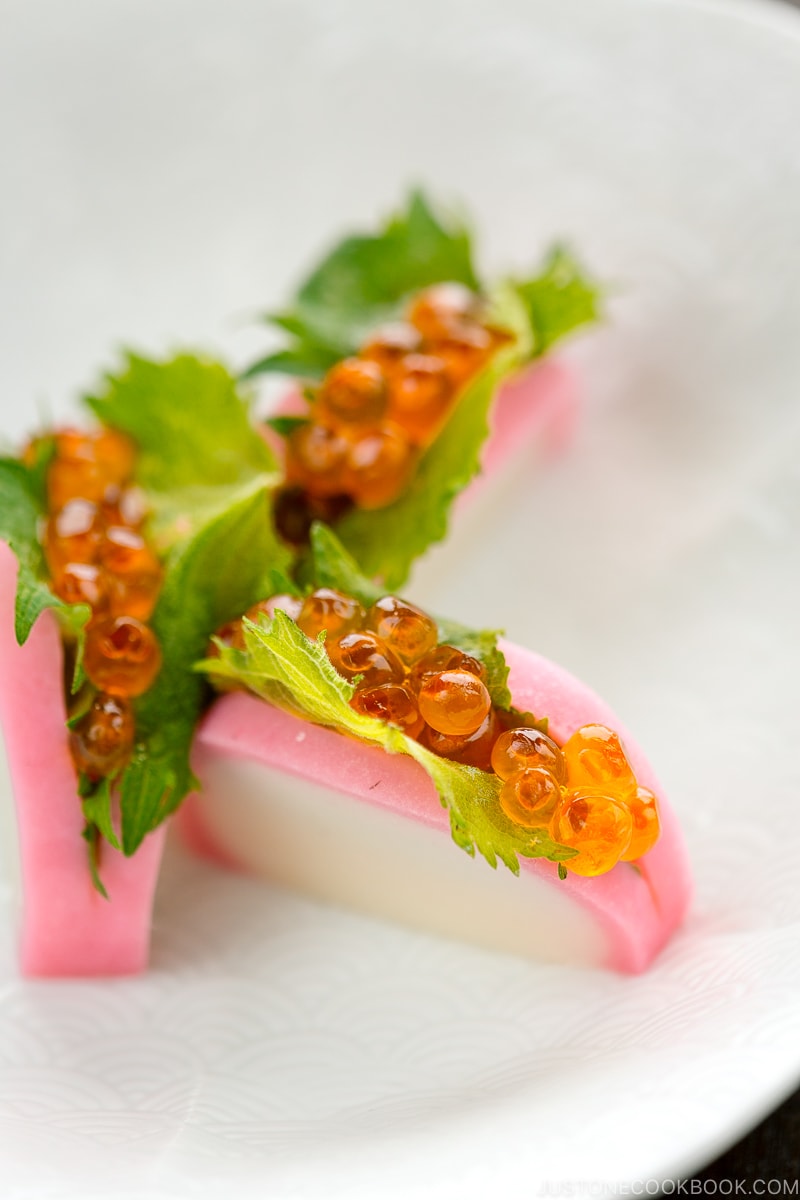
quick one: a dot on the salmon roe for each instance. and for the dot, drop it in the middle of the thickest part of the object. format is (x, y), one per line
(454, 702)
(103, 740)
(391, 702)
(97, 555)
(329, 610)
(122, 655)
(374, 413)
(583, 794)
(354, 393)
(365, 654)
(596, 824)
(379, 464)
(406, 629)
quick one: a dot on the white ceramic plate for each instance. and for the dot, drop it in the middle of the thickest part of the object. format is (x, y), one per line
(168, 170)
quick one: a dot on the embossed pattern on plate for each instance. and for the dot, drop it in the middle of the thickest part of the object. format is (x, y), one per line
(169, 166)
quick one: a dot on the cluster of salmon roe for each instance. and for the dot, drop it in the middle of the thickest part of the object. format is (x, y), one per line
(96, 554)
(374, 413)
(584, 793)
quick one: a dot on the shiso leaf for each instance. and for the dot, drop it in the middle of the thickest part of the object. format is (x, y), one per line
(228, 563)
(333, 566)
(559, 299)
(281, 665)
(92, 837)
(387, 541)
(365, 280)
(189, 420)
(97, 811)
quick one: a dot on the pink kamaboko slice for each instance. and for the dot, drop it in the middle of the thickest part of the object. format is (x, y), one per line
(352, 825)
(67, 927)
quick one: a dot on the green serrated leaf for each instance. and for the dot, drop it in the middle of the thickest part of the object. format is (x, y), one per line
(97, 811)
(229, 562)
(80, 706)
(305, 361)
(189, 420)
(42, 449)
(91, 835)
(559, 299)
(334, 566)
(86, 785)
(366, 280)
(286, 668)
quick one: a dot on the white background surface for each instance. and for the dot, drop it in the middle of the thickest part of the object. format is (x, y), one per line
(168, 170)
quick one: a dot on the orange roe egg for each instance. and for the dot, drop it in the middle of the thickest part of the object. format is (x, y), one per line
(420, 395)
(330, 610)
(595, 758)
(390, 344)
(116, 454)
(81, 583)
(406, 629)
(364, 653)
(472, 749)
(463, 349)
(134, 573)
(379, 464)
(316, 458)
(454, 702)
(353, 393)
(521, 747)
(390, 702)
(75, 444)
(436, 309)
(122, 655)
(103, 740)
(643, 808)
(86, 464)
(444, 658)
(530, 796)
(597, 825)
(68, 478)
(73, 535)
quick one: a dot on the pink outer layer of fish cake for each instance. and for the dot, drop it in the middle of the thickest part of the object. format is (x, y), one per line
(67, 927)
(636, 909)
